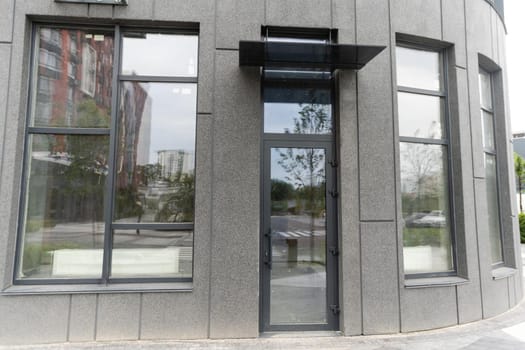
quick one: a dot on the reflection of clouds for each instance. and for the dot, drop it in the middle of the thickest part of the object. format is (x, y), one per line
(418, 68)
(167, 55)
(419, 115)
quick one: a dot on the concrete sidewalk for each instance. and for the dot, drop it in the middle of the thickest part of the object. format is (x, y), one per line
(505, 332)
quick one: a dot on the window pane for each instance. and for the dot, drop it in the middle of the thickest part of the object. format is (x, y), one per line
(63, 230)
(485, 89)
(167, 54)
(493, 208)
(156, 152)
(488, 130)
(152, 253)
(427, 245)
(420, 116)
(73, 79)
(418, 69)
(297, 110)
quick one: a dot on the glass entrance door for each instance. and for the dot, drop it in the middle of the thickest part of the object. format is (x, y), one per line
(299, 247)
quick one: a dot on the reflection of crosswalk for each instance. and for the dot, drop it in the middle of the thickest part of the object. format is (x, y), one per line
(299, 234)
(186, 253)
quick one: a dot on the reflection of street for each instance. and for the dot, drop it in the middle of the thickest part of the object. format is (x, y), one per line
(298, 275)
(298, 293)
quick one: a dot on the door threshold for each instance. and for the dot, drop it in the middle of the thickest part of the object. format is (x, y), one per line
(301, 334)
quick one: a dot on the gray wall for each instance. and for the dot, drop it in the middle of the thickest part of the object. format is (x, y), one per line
(224, 297)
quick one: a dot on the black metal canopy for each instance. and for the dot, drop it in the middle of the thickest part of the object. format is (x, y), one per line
(280, 54)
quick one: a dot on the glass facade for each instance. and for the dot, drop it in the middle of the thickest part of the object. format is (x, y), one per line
(424, 159)
(73, 227)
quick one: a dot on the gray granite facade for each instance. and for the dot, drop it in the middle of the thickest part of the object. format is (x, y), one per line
(223, 299)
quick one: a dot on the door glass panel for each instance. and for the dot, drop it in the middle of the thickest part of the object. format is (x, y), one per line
(298, 236)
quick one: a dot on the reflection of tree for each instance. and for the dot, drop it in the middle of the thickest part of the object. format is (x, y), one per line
(179, 205)
(519, 169)
(305, 166)
(149, 173)
(80, 194)
(423, 192)
(421, 176)
(313, 119)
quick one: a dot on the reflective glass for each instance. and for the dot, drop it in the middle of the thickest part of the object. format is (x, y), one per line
(63, 229)
(297, 110)
(485, 89)
(156, 153)
(418, 68)
(420, 116)
(159, 54)
(493, 209)
(298, 238)
(152, 253)
(488, 130)
(73, 72)
(427, 245)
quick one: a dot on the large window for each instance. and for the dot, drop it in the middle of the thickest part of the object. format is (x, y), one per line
(490, 161)
(109, 170)
(424, 162)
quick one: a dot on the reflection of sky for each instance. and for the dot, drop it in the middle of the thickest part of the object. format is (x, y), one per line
(279, 117)
(173, 117)
(160, 54)
(419, 115)
(417, 68)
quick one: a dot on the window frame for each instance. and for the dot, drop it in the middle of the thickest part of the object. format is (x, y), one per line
(445, 141)
(494, 153)
(111, 131)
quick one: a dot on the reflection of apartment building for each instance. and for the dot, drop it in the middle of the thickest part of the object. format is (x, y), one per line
(518, 141)
(71, 70)
(175, 161)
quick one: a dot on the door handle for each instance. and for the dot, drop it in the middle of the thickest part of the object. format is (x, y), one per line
(268, 251)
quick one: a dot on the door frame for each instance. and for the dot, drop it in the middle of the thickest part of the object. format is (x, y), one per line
(332, 296)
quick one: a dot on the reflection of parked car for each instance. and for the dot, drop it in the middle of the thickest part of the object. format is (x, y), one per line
(433, 219)
(409, 220)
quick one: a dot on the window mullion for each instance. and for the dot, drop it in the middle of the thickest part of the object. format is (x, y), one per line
(110, 193)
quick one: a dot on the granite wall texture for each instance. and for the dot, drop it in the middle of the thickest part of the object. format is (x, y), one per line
(223, 301)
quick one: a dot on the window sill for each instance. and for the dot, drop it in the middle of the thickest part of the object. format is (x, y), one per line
(434, 282)
(503, 272)
(98, 289)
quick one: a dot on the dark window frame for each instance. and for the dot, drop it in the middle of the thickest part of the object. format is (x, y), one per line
(493, 152)
(445, 140)
(112, 131)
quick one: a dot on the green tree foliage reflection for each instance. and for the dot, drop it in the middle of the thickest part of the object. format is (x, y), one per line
(519, 169)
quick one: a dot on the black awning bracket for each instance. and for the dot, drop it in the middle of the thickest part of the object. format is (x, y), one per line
(278, 54)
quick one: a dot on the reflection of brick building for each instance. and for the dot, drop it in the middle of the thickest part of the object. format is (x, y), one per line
(70, 61)
(134, 132)
(63, 73)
